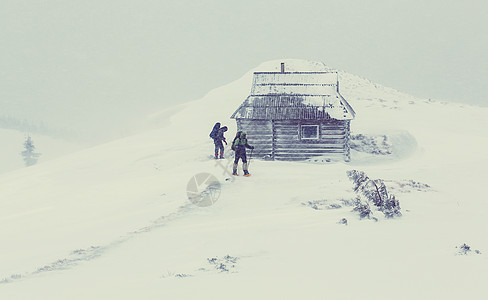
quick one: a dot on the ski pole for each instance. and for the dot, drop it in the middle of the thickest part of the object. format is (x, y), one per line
(250, 157)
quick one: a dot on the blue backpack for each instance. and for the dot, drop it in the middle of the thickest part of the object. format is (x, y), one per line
(213, 133)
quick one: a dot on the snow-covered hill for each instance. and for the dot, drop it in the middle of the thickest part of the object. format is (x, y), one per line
(115, 222)
(48, 147)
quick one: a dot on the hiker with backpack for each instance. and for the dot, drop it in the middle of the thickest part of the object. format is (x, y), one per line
(217, 135)
(239, 145)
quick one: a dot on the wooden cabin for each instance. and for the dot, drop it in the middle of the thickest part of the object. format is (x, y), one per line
(296, 116)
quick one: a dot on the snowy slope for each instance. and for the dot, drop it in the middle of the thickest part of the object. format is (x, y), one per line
(48, 147)
(114, 221)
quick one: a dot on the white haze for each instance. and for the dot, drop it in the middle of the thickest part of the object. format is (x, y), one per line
(94, 68)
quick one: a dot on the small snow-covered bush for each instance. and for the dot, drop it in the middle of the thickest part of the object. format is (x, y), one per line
(322, 204)
(177, 275)
(377, 144)
(372, 191)
(465, 249)
(391, 208)
(362, 208)
(11, 278)
(329, 204)
(223, 264)
(408, 186)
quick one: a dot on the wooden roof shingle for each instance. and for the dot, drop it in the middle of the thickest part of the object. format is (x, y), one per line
(295, 95)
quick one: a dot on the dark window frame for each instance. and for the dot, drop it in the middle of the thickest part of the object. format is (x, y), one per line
(317, 136)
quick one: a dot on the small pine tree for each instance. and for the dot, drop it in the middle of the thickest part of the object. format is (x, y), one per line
(29, 155)
(373, 191)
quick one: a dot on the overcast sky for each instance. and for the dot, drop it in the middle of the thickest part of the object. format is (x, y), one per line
(81, 60)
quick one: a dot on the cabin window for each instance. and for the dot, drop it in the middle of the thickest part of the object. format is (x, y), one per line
(310, 132)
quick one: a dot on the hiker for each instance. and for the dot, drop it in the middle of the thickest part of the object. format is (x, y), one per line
(214, 131)
(213, 135)
(219, 138)
(239, 146)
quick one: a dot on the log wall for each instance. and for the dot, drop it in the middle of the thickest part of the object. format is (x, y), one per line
(281, 139)
(259, 135)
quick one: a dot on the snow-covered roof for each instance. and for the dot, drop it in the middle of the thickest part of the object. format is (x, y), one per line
(295, 95)
(301, 83)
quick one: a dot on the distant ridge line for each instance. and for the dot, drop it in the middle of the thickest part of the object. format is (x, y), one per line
(301, 72)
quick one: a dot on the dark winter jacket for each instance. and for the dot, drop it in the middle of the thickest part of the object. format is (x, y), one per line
(240, 144)
(220, 135)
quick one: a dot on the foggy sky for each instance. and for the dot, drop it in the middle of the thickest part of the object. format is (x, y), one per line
(99, 62)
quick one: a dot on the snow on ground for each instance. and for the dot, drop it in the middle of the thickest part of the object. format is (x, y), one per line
(114, 221)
